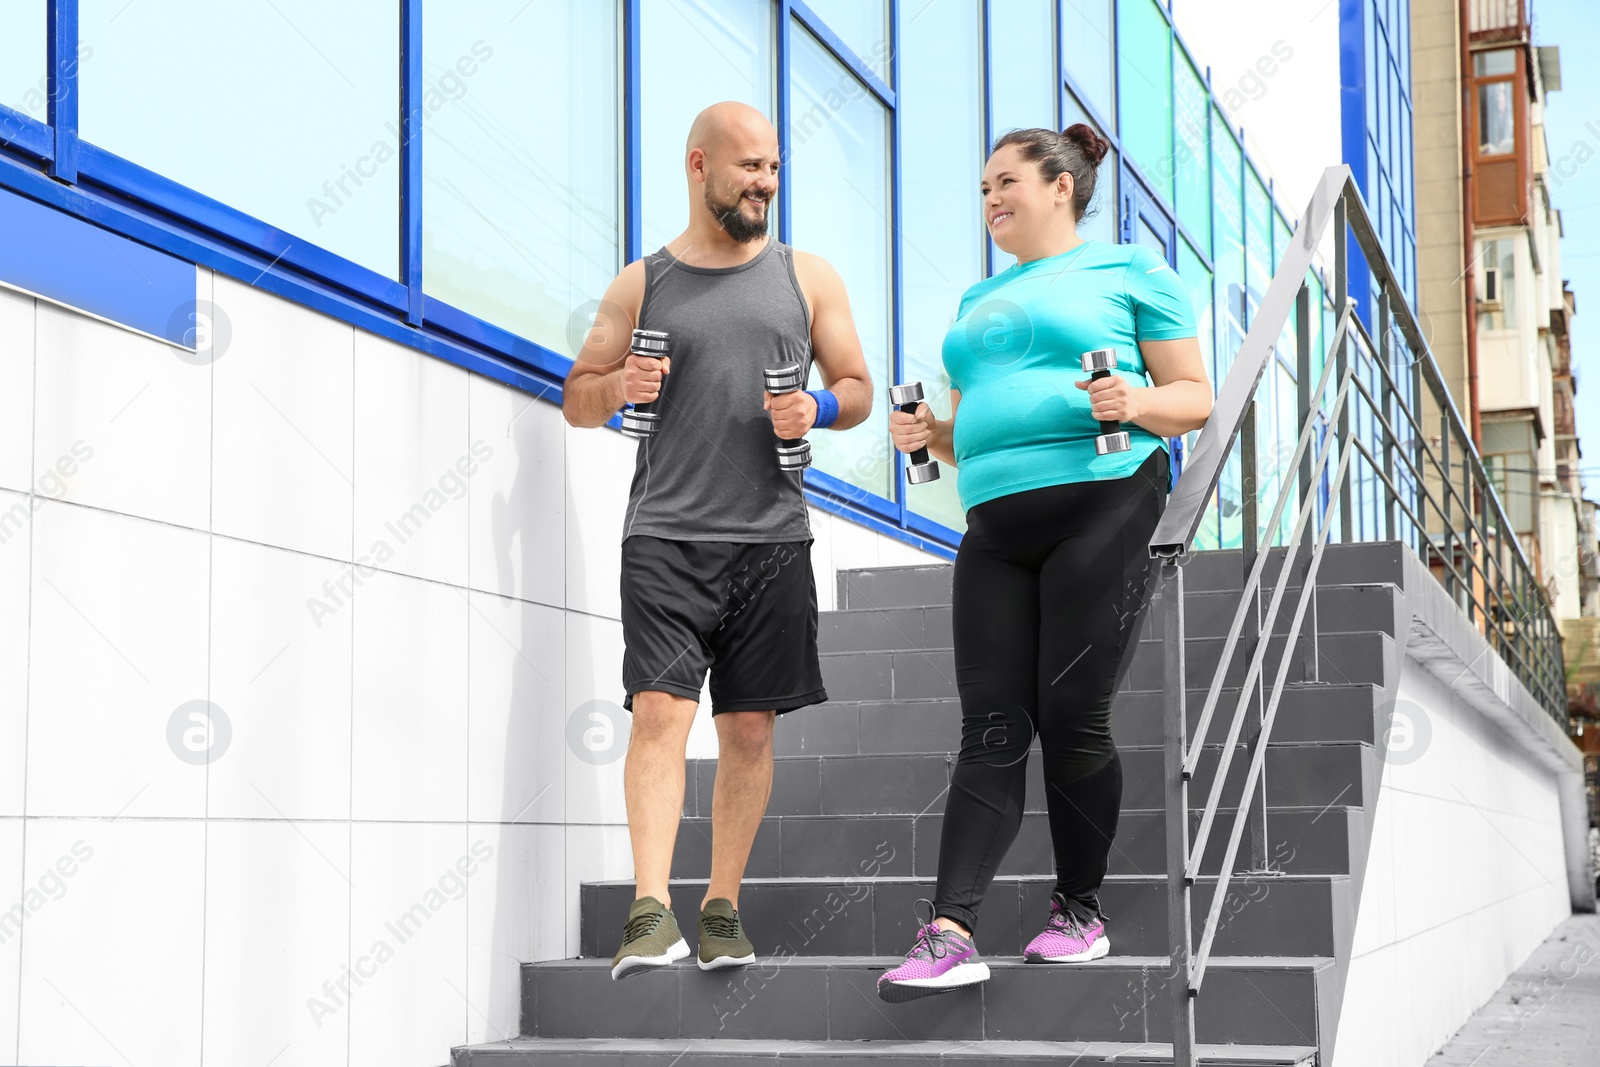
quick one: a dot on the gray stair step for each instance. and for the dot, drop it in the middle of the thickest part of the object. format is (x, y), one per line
(1362, 563)
(1207, 613)
(1310, 711)
(1268, 1000)
(1338, 608)
(1296, 774)
(873, 727)
(882, 629)
(895, 587)
(1307, 840)
(1340, 658)
(628, 1052)
(622, 1052)
(1291, 915)
(914, 675)
(1357, 563)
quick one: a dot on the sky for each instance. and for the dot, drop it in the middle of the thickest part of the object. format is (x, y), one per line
(1572, 130)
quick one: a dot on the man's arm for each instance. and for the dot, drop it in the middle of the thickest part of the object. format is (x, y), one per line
(836, 350)
(603, 378)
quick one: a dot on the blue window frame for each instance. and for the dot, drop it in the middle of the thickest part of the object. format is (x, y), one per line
(383, 288)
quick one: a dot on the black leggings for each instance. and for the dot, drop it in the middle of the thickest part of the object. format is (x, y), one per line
(1048, 587)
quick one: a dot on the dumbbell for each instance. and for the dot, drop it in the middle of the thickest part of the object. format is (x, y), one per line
(643, 420)
(1099, 364)
(919, 468)
(785, 378)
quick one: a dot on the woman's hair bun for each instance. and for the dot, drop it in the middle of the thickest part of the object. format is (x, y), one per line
(1089, 142)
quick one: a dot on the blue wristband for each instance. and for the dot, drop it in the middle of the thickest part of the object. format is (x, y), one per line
(827, 407)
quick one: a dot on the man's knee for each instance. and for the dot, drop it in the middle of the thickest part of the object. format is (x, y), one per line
(747, 733)
(659, 716)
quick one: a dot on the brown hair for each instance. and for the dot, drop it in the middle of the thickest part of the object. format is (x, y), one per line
(1076, 150)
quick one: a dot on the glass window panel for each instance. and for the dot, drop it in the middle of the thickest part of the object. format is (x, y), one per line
(839, 175)
(23, 62)
(1194, 275)
(1022, 75)
(173, 87)
(1497, 133)
(863, 25)
(1145, 90)
(693, 53)
(1087, 52)
(1193, 133)
(520, 204)
(1258, 242)
(1280, 239)
(1228, 242)
(942, 230)
(1022, 66)
(1100, 220)
(1499, 61)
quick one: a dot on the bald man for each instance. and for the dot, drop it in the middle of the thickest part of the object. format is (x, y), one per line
(716, 550)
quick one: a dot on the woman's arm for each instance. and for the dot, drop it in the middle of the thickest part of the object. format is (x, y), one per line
(1177, 402)
(919, 430)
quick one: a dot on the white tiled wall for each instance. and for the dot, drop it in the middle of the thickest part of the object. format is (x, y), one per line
(389, 710)
(1465, 877)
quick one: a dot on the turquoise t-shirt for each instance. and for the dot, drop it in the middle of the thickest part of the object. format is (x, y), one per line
(1014, 354)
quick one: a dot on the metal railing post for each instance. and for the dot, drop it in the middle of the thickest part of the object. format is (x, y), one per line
(1302, 374)
(1387, 402)
(1252, 547)
(1177, 790)
(1448, 533)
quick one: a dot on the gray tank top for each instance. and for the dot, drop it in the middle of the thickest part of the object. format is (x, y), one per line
(710, 473)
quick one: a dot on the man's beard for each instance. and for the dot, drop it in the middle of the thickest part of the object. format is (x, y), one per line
(735, 222)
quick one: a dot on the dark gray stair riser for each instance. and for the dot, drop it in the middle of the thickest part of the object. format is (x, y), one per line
(1300, 841)
(529, 1052)
(833, 998)
(1296, 775)
(1368, 563)
(867, 630)
(895, 587)
(1339, 659)
(1261, 916)
(1306, 712)
(1207, 613)
(1312, 712)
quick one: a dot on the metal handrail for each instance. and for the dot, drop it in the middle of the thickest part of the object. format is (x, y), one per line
(1460, 525)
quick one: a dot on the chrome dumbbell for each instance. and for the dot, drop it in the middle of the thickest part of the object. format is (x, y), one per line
(786, 378)
(1113, 438)
(643, 420)
(919, 467)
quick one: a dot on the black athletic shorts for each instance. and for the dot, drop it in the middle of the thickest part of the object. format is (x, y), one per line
(747, 612)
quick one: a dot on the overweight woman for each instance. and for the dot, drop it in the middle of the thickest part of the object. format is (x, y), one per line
(1051, 574)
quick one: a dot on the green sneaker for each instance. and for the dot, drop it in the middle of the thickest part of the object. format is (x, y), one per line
(650, 939)
(722, 940)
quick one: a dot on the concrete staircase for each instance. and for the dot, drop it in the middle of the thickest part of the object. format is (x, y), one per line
(851, 840)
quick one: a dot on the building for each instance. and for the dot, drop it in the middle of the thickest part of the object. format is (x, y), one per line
(1491, 242)
(308, 594)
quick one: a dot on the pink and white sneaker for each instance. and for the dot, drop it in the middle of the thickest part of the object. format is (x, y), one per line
(1069, 936)
(940, 961)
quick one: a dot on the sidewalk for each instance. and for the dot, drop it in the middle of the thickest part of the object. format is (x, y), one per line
(1546, 1015)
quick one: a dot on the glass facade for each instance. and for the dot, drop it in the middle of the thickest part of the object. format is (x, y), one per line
(315, 155)
(520, 206)
(838, 174)
(1375, 76)
(23, 87)
(552, 152)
